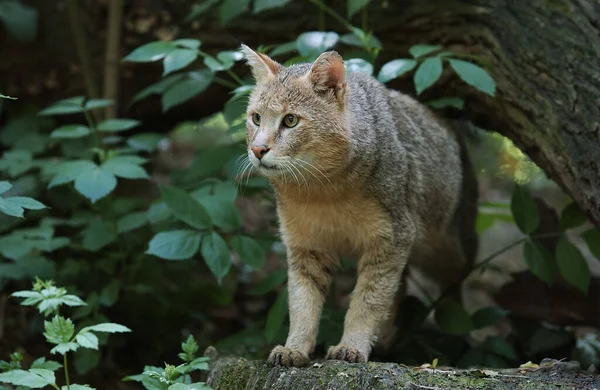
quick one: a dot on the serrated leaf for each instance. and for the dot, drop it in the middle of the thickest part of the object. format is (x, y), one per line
(216, 255)
(175, 244)
(59, 330)
(185, 208)
(592, 239)
(276, 315)
(63, 348)
(539, 261)
(359, 65)
(488, 316)
(418, 51)
(572, 265)
(249, 250)
(231, 9)
(122, 166)
(150, 52)
(24, 378)
(395, 69)
(524, 210)
(45, 364)
(178, 59)
(115, 125)
(132, 221)
(571, 217)
(87, 340)
(353, 6)
(183, 90)
(107, 327)
(453, 319)
(95, 184)
(263, 5)
(474, 75)
(77, 387)
(71, 132)
(427, 74)
(310, 44)
(67, 171)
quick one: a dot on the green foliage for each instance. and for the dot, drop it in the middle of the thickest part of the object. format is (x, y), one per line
(20, 21)
(524, 210)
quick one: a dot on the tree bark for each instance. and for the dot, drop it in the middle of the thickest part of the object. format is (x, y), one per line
(544, 56)
(234, 374)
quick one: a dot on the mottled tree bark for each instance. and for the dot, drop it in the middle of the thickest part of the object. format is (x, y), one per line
(544, 55)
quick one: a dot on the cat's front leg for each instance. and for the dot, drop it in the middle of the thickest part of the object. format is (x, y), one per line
(309, 276)
(379, 275)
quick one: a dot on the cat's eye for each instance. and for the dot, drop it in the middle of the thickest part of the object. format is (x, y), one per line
(290, 121)
(256, 119)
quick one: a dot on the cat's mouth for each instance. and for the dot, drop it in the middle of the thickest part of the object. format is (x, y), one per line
(268, 167)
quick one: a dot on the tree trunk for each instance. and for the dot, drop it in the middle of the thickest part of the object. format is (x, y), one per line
(234, 374)
(545, 58)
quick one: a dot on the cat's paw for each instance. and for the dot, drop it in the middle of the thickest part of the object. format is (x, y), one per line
(344, 352)
(289, 357)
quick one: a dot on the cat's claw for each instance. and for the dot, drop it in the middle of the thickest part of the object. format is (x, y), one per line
(346, 353)
(289, 357)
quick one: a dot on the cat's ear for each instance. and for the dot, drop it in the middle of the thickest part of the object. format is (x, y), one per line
(328, 73)
(263, 67)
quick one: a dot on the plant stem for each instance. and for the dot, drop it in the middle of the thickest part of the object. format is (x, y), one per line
(92, 126)
(235, 77)
(66, 371)
(332, 13)
(113, 47)
(365, 18)
(321, 18)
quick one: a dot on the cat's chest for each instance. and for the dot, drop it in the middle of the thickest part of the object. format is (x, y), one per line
(346, 225)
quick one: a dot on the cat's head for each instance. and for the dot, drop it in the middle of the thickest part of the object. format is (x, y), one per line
(296, 125)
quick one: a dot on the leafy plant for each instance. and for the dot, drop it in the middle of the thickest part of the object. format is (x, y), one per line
(60, 332)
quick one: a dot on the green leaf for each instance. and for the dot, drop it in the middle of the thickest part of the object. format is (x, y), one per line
(67, 171)
(47, 365)
(158, 88)
(185, 207)
(98, 234)
(193, 44)
(283, 48)
(59, 330)
(77, 387)
(572, 265)
(488, 316)
(25, 202)
(452, 318)
(229, 57)
(70, 132)
(150, 52)
(16, 162)
(216, 255)
(539, 261)
(592, 239)
(359, 65)
(64, 107)
(276, 315)
(124, 167)
(354, 6)
(200, 8)
(395, 69)
(427, 74)
(269, 283)
(571, 217)
(146, 142)
(474, 75)
(4, 186)
(454, 102)
(524, 210)
(93, 104)
(87, 340)
(132, 221)
(26, 378)
(11, 209)
(263, 5)
(107, 327)
(115, 125)
(20, 20)
(178, 59)
(218, 201)
(7, 97)
(95, 184)
(418, 51)
(231, 9)
(311, 44)
(499, 346)
(359, 38)
(175, 244)
(183, 90)
(249, 250)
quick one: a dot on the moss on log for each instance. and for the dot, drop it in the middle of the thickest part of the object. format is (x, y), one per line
(239, 373)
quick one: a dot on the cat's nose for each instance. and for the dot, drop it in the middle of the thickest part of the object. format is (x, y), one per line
(259, 151)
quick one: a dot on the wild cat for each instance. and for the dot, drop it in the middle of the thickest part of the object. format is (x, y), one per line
(359, 171)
